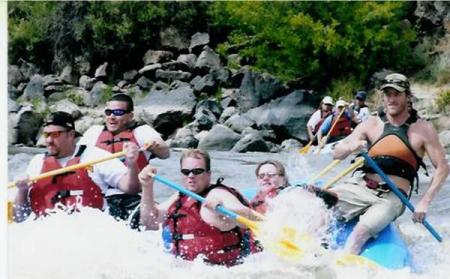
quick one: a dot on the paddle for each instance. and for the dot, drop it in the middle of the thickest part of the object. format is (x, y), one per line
(324, 140)
(399, 194)
(323, 172)
(285, 247)
(306, 148)
(77, 166)
(359, 162)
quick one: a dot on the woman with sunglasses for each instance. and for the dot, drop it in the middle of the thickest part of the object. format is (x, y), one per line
(191, 228)
(272, 179)
(120, 128)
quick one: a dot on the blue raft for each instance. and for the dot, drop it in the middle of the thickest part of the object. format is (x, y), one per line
(388, 249)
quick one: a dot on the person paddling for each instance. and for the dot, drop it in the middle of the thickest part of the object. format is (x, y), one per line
(337, 125)
(397, 143)
(192, 228)
(317, 118)
(74, 189)
(119, 128)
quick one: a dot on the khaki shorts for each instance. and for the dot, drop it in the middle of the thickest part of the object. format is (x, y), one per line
(376, 210)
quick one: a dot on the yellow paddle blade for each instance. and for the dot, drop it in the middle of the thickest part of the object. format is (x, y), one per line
(305, 149)
(355, 260)
(10, 212)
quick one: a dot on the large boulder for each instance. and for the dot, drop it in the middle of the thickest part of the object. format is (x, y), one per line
(287, 115)
(251, 142)
(27, 69)
(184, 138)
(13, 92)
(211, 105)
(207, 60)
(257, 89)
(172, 75)
(198, 41)
(69, 75)
(168, 110)
(14, 75)
(156, 56)
(34, 89)
(204, 119)
(188, 60)
(67, 106)
(29, 123)
(239, 122)
(219, 138)
(94, 97)
(205, 84)
(100, 72)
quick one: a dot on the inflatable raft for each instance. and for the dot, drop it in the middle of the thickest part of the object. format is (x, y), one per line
(388, 249)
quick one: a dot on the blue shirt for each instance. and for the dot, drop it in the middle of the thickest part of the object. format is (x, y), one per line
(326, 125)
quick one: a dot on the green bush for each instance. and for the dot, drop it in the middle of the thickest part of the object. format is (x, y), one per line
(343, 89)
(443, 100)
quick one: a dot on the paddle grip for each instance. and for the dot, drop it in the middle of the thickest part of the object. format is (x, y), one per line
(399, 194)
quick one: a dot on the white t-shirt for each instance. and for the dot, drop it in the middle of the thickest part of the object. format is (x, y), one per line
(314, 119)
(105, 174)
(142, 135)
(363, 114)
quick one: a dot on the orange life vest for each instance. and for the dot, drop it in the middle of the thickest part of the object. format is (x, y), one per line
(70, 189)
(343, 126)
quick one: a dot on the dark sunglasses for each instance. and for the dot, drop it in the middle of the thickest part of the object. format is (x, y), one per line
(196, 171)
(402, 83)
(116, 112)
(54, 134)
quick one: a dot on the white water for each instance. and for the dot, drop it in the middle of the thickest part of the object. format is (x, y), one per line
(92, 245)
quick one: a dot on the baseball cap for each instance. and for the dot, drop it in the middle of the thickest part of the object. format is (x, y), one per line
(60, 118)
(341, 103)
(361, 95)
(327, 100)
(397, 81)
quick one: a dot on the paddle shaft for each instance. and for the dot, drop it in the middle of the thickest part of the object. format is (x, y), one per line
(331, 129)
(399, 194)
(353, 166)
(77, 166)
(324, 171)
(201, 199)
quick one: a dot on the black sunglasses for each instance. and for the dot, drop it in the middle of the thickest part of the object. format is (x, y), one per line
(402, 83)
(195, 171)
(116, 112)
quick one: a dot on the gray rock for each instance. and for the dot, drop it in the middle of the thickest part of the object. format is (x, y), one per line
(12, 106)
(13, 121)
(184, 138)
(68, 75)
(205, 84)
(14, 75)
(28, 127)
(86, 82)
(207, 60)
(82, 65)
(28, 69)
(149, 70)
(94, 97)
(159, 85)
(67, 106)
(211, 105)
(188, 60)
(219, 138)
(287, 114)
(130, 75)
(87, 121)
(13, 92)
(173, 38)
(172, 75)
(51, 80)
(251, 142)
(100, 72)
(227, 113)
(444, 138)
(239, 122)
(34, 89)
(167, 110)
(144, 83)
(291, 145)
(204, 119)
(156, 56)
(198, 40)
(121, 84)
(257, 89)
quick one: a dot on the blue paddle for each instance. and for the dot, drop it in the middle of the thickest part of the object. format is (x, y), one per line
(399, 194)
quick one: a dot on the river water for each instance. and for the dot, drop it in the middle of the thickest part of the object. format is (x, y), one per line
(93, 245)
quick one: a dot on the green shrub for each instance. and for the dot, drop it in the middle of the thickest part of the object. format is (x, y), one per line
(343, 89)
(107, 94)
(443, 100)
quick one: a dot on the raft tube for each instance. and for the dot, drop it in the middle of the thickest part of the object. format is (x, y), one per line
(388, 249)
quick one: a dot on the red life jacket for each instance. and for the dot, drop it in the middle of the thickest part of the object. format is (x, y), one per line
(114, 143)
(343, 126)
(70, 189)
(323, 116)
(191, 236)
(258, 203)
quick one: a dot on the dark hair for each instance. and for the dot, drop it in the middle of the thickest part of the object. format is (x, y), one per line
(198, 154)
(123, 98)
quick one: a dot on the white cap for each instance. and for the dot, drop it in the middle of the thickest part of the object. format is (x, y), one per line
(341, 103)
(328, 100)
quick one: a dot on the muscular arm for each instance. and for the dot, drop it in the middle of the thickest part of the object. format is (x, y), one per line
(230, 202)
(437, 155)
(129, 183)
(160, 149)
(355, 141)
